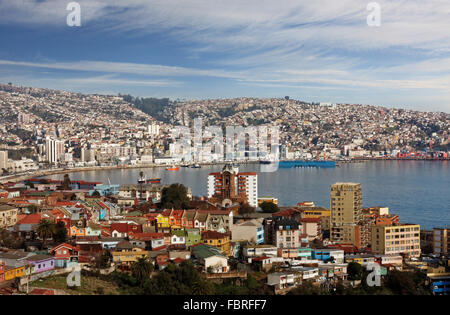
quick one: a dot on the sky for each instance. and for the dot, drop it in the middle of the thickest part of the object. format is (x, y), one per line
(315, 51)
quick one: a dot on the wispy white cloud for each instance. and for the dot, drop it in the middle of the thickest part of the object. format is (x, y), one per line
(284, 43)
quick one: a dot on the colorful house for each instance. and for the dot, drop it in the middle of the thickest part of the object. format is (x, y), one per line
(175, 219)
(12, 272)
(187, 221)
(65, 255)
(77, 231)
(193, 237)
(124, 229)
(219, 240)
(200, 220)
(163, 219)
(178, 237)
(41, 263)
(126, 254)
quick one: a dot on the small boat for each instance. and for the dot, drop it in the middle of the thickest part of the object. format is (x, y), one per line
(153, 181)
(196, 166)
(172, 168)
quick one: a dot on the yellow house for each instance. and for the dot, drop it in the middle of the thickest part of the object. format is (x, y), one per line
(163, 219)
(218, 240)
(317, 213)
(127, 254)
(12, 272)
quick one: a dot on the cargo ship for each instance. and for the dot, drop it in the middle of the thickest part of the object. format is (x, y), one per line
(312, 163)
(143, 180)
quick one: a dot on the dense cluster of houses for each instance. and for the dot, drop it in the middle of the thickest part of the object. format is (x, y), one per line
(290, 246)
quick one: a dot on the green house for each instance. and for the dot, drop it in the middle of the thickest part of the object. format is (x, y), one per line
(193, 236)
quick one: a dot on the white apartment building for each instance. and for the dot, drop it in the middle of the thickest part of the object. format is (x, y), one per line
(54, 150)
(153, 129)
(3, 160)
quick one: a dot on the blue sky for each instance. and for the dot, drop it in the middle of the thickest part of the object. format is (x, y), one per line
(310, 50)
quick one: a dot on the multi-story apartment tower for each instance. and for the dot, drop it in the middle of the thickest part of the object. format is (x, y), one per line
(3, 160)
(441, 240)
(346, 214)
(396, 239)
(54, 149)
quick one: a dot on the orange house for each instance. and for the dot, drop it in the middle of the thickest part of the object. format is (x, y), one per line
(76, 231)
(175, 219)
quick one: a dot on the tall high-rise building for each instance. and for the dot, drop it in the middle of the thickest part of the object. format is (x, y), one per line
(230, 186)
(3, 160)
(153, 129)
(54, 150)
(346, 214)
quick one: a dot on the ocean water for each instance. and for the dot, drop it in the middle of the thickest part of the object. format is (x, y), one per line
(417, 191)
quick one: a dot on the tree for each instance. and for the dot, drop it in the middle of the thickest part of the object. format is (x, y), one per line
(103, 260)
(45, 230)
(66, 183)
(245, 208)
(354, 271)
(141, 269)
(307, 288)
(175, 196)
(95, 194)
(202, 287)
(269, 207)
(407, 283)
(60, 234)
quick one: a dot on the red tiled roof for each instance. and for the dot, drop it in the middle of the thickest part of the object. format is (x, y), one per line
(177, 213)
(214, 235)
(149, 236)
(34, 218)
(285, 213)
(126, 228)
(65, 245)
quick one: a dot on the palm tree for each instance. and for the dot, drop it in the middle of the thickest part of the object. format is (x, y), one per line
(45, 230)
(142, 269)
